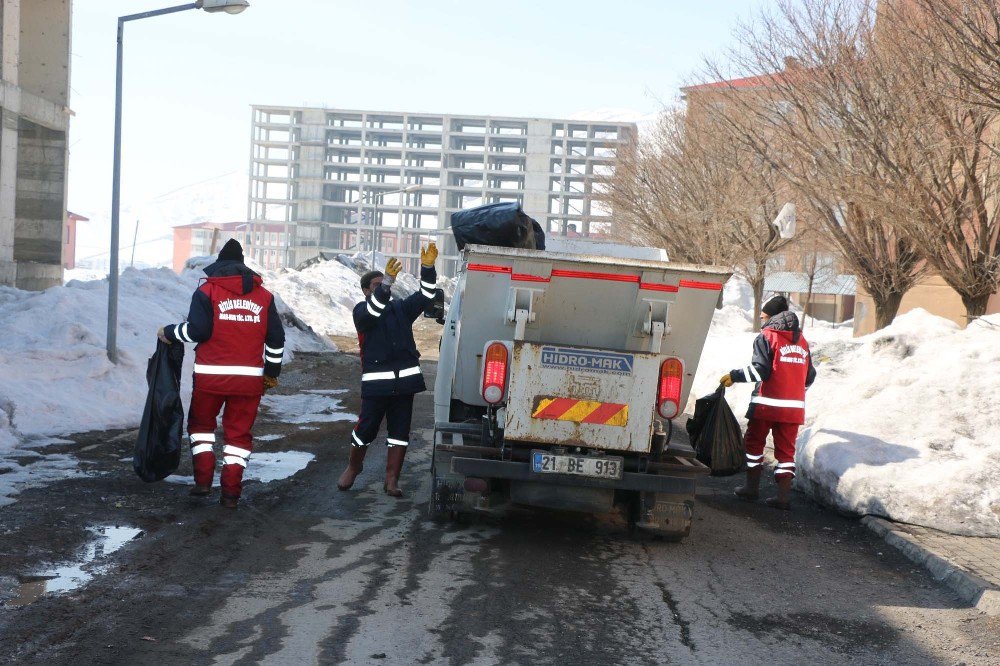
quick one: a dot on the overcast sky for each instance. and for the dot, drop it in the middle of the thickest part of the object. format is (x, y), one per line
(191, 77)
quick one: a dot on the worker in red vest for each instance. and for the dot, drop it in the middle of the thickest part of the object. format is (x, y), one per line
(240, 339)
(782, 368)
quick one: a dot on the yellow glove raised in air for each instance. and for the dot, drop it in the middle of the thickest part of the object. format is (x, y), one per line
(428, 256)
(726, 380)
(392, 267)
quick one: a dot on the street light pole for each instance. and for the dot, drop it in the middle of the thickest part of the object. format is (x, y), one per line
(211, 6)
(378, 199)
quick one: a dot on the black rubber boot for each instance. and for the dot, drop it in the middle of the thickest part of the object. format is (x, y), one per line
(750, 491)
(200, 491)
(783, 500)
(355, 464)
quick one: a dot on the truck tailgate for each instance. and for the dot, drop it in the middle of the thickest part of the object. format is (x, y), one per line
(571, 396)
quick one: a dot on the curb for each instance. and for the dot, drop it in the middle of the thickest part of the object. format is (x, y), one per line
(970, 587)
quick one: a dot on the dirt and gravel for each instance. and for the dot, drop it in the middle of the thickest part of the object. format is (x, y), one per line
(302, 573)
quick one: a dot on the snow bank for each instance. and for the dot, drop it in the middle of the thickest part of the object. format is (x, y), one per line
(56, 376)
(322, 295)
(904, 423)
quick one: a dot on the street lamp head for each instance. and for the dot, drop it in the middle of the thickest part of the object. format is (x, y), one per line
(227, 6)
(412, 188)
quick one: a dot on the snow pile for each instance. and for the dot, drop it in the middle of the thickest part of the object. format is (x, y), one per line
(903, 423)
(322, 295)
(57, 378)
(83, 275)
(906, 424)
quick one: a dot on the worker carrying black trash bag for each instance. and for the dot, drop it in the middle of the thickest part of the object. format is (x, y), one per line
(390, 366)
(782, 368)
(240, 341)
(158, 445)
(716, 435)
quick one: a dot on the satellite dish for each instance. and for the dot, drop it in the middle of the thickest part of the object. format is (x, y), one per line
(785, 222)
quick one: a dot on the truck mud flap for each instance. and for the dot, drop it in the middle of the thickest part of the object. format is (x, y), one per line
(502, 469)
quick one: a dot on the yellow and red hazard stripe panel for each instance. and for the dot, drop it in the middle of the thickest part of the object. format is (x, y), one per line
(580, 411)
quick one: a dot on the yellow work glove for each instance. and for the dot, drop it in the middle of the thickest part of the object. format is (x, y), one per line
(726, 380)
(392, 267)
(162, 336)
(428, 256)
(270, 383)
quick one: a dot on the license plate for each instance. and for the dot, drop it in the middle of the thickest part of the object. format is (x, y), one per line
(602, 467)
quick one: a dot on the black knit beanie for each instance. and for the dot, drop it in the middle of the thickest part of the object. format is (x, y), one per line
(366, 279)
(232, 251)
(775, 305)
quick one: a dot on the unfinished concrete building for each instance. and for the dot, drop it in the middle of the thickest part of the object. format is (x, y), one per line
(34, 121)
(326, 175)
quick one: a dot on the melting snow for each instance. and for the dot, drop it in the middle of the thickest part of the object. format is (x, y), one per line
(73, 575)
(306, 408)
(264, 467)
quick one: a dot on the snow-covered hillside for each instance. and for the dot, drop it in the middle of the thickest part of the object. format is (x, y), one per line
(903, 423)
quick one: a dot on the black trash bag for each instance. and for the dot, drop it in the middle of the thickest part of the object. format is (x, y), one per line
(716, 435)
(158, 446)
(500, 224)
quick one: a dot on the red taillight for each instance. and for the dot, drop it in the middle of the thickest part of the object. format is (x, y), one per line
(495, 373)
(668, 389)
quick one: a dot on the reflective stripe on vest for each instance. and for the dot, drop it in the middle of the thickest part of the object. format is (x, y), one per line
(375, 376)
(775, 402)
(240, 370)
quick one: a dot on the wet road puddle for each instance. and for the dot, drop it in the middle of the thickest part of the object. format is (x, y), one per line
(264, 467)
(68, 577)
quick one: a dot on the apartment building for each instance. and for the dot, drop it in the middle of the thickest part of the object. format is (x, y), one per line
(34, 122)
(343, 180)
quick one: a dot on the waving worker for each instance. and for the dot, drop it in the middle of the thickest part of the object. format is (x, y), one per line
(390, 367)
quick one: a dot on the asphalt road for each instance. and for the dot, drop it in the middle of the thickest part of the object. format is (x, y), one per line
(304, 574)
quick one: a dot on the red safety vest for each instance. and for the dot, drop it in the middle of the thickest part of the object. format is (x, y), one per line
(231, 362)
(782, 398)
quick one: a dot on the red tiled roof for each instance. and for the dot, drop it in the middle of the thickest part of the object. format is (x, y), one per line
(746, 82)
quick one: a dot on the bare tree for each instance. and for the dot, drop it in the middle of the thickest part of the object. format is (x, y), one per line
(945, 155)
(811, 254)
(657, 203)
(818, 117)
(692, 188)
(967, 39)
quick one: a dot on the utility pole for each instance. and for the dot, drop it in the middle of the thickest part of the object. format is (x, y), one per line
(135, 237)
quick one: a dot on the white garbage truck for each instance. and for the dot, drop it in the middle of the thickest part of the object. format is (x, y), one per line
(561, 372)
